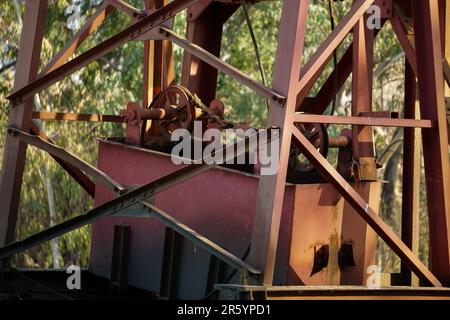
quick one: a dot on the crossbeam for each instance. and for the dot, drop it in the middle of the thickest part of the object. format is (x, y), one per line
(67, 157)
(217, 63)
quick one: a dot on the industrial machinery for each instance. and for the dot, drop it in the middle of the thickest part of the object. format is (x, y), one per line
(204, 230)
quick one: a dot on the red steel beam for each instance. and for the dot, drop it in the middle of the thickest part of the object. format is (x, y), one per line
(363, 121)
(74, 172)
(402, 37)
(362, 78)
(204, 28)
(68, 157)
(69, 49)
(158, 67)
(314, 67)
(270, 194)
(334, 83)
(217, 63)
(435, 140)
(364, 210)
(14, 150)
(148, 23)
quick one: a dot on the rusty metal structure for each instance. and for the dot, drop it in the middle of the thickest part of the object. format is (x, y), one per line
(204, 230)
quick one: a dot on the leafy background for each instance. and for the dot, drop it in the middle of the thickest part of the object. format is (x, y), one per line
(105, 86)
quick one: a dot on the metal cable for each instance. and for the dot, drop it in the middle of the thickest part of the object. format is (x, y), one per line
(332, 24)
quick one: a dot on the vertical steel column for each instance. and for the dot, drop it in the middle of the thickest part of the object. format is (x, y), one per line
(270, 195)
(20, 117)
(435, 141)
(204, 27)
(411, 175)
(363, 151)
(153, 56)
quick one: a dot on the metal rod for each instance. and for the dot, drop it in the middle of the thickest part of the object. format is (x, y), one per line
(269, 205)
(366, 121)
(148, 23)
(127, 8)
(365, 168)
(198, 239)
(334, 83)
(157, 54)
(67, 157)
(229, 70)
(364, 210)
